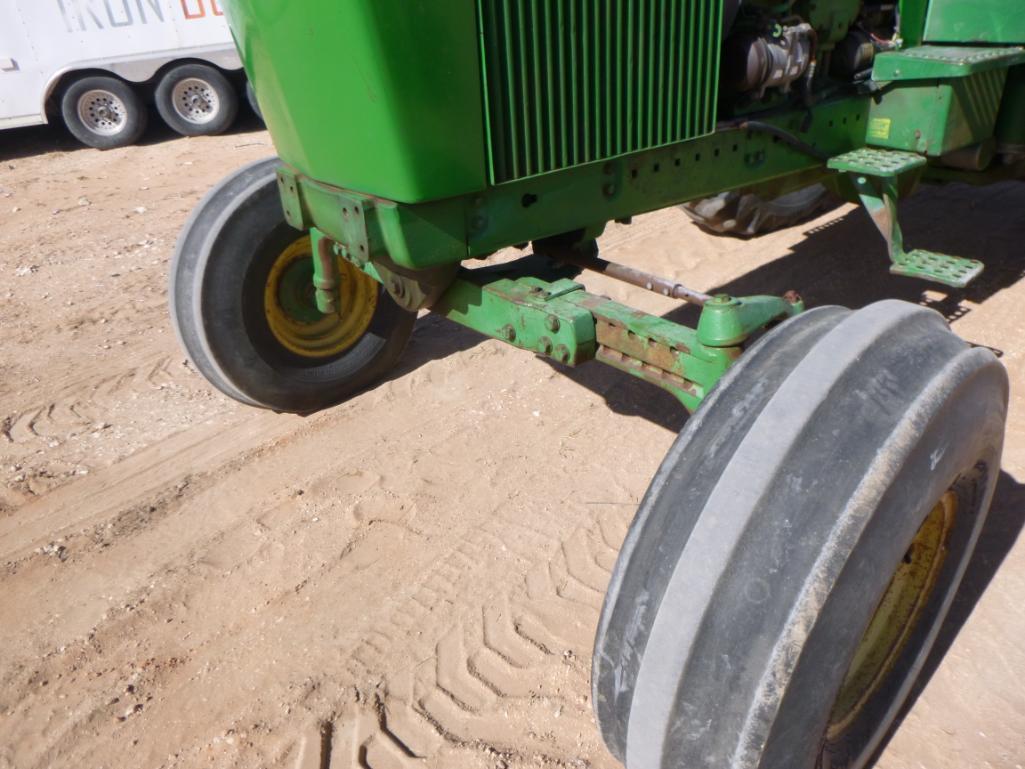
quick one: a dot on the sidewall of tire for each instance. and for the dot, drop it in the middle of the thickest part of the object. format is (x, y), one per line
(232, 338)
(767, 602)
(973, 435)
(227, 96)
(712, 434)
(254, 105)
(136, 118)
(182, 275)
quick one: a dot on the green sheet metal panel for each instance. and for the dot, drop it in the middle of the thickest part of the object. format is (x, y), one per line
(570, 82)
(937, 116)
(943, 61)
(977, 21)
(1010, 129)
(380, 96)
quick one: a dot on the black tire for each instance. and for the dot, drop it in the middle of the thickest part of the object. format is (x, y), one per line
(771, 533)
(747, 215)
(196, 100)
(251, 98)
(218, 275)
(103, 112)
(184, 263)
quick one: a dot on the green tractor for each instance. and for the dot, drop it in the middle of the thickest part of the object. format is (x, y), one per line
(796, 553)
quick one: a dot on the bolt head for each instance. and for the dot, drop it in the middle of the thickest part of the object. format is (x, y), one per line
(508, 333)
(552, 323)
(545, 345)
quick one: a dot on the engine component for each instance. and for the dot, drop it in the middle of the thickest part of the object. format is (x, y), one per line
(853, 55)
(754, 63)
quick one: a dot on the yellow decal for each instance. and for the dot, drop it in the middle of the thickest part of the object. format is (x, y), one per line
(879, 128)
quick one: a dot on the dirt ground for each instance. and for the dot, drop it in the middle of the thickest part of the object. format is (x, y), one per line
(411, 578)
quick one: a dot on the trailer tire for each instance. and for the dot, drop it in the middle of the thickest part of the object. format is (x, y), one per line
(241, 304)
(103, 112)
(746, 214)
(254, 105)
(796, 553)
(196, 100)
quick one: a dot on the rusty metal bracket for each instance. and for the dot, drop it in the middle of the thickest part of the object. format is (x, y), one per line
(291, 201)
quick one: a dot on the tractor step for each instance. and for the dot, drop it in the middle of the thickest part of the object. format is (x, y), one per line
(876, 176)
(927, 62)
(955, 271)
(885, 164)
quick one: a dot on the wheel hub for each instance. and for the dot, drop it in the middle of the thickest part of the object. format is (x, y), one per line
(195, 100)
(291, 308)
(897, 615)
(102, 112)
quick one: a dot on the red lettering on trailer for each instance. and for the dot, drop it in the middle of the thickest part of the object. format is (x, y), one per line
(196, 9)
(199, 13)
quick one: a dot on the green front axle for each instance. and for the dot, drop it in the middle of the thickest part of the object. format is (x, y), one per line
(559, 320)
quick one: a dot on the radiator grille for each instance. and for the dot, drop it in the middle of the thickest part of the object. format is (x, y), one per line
(574, 81)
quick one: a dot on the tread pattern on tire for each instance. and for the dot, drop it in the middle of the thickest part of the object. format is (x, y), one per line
(228, 99)
(731, 648)
(182, 272)
(767, 363)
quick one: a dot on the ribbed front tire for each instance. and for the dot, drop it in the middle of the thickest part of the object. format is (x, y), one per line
(794, 557)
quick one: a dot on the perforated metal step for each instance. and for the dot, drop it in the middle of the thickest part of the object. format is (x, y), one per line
(955, 271)
(881, 163)
(943, 61)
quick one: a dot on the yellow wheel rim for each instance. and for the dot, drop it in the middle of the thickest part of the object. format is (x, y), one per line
(896, 617)
(289, 301)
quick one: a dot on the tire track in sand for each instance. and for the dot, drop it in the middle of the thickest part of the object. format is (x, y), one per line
(495, 681)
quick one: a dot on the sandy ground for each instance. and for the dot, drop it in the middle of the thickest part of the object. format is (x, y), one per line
(411, 578)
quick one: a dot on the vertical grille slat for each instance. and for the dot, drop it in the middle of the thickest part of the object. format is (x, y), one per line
(570, 82)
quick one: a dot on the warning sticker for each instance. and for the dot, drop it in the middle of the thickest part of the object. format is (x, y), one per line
(879, 128)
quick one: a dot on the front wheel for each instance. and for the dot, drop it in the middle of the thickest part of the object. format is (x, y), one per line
(243, 304)
(254, 105)
(790, 566)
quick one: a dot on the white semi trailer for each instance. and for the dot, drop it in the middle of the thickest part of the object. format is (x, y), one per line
(97, 64)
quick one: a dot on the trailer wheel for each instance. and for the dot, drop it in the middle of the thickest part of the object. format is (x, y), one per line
(794, 557)
(103, 112)
(242, 302)
(196, 100)
(253, 104)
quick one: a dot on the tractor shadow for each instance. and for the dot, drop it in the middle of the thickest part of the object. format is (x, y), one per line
(840, 262)
(844, 262)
